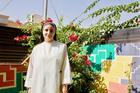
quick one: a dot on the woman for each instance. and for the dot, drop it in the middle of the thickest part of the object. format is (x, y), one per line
(49, 68)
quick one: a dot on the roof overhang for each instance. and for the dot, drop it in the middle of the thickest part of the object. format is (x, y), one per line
(3, 19)
(125, 35)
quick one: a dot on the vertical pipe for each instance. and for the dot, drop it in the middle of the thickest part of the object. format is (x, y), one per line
(45, 9)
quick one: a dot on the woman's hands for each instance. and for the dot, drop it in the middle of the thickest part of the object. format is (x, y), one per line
(29, 90)
(64, 88)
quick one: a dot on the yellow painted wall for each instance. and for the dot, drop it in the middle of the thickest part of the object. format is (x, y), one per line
(118, 67)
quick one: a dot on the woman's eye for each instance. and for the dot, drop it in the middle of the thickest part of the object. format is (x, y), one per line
(51, 31)
(46, 29)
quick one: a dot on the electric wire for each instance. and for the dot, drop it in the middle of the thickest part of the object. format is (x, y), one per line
(7, 4)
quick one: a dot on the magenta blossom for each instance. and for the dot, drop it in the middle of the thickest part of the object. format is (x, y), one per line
(73, 37)
(17, 38)
(21, 38)
(47, 21)
(138, 20)
(87, 61)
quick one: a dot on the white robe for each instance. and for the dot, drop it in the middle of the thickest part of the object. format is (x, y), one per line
(48, 68)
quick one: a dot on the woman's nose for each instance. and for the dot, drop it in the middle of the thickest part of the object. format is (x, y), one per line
(49, 32)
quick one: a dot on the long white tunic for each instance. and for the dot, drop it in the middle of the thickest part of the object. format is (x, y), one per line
(48, 68)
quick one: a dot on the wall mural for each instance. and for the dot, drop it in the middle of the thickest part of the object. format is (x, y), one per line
(99, 53)
(119, 64)
(133, 50)
(11, 78)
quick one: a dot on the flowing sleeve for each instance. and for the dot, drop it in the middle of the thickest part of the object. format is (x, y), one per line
(28, 80)
(66, 70)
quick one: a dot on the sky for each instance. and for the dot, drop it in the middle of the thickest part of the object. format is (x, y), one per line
(68, 9)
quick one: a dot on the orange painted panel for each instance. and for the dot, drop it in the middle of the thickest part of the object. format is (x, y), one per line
(117, 88)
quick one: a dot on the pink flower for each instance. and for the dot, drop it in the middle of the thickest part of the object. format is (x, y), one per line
(20, 38)
(17, 38)
(23, 37)
(87, 62)
(73, 37)
(48, 20)
(138, 20)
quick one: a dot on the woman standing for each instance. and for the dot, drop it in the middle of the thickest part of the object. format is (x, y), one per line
(49, 68)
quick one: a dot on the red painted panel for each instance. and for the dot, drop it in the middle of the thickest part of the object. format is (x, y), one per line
(10, 75)
(20, 68)
(6, 84)
(4, 68)
(9, 78)
(10, 70)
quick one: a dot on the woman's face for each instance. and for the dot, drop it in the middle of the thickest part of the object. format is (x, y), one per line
(48, 33)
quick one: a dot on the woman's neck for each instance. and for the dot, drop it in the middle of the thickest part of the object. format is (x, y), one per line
(49, 41)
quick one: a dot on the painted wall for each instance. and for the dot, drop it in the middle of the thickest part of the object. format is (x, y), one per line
(11, 78)
(117, 63)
